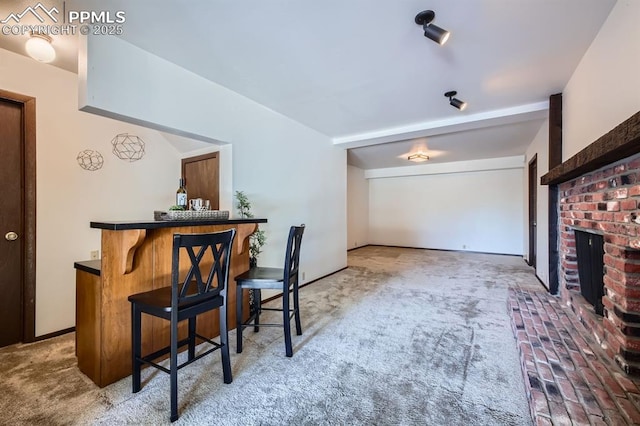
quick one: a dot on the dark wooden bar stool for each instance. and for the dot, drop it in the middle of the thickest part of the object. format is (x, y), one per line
(203, 289)
(256, 279)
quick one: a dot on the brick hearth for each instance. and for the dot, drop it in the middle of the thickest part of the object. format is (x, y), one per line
(606, 202)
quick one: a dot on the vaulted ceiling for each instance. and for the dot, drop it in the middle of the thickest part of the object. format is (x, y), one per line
(362, 73)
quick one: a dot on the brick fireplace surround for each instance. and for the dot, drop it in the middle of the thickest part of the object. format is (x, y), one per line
(606, 202)
(599, 192)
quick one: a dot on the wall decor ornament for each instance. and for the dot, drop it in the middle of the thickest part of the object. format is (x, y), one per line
(90, 160)
(128, 147)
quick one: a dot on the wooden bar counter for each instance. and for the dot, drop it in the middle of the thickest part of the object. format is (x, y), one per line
(136, 257)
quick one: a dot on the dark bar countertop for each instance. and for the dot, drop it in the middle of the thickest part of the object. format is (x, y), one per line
(90, 266)
(156, 224)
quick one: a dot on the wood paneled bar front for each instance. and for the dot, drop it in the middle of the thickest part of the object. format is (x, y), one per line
(136, 257)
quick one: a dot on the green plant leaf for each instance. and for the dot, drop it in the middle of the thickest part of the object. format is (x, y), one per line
(258, 239)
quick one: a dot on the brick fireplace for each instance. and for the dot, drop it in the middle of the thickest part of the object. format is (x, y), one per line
(605, 202)
(599, 194)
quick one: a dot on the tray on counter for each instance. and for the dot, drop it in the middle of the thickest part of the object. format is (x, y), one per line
(192, 215)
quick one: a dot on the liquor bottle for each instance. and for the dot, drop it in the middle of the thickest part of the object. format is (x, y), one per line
(181, 195)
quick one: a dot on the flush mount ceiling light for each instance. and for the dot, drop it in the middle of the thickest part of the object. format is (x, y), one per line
(431, 31)
(39, 48)
(418, 157)
(461, 105)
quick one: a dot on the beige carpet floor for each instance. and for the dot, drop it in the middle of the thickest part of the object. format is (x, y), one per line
(403, 336)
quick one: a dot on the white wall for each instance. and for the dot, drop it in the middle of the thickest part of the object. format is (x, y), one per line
(474, 210)
(357, 208)
(292, 174)
(539, 147)
(68, 197)
(605, 88)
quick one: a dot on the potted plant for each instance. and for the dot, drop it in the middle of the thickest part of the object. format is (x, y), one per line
(258, 238)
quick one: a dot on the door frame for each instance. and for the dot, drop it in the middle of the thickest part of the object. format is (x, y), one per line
(28, 105)
(532, 186)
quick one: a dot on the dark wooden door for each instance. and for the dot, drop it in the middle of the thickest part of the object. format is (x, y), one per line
(201, 175)
(17, 218)
(11, 223)
(533, 200)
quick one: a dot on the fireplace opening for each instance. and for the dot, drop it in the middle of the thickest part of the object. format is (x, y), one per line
(590, 257)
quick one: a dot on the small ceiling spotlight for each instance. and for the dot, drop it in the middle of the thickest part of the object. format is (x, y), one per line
(418, 157)
(431, 31)
(461, 105)
(39, 47)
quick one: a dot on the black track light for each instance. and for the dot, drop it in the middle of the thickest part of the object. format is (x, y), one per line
(461, 105)
(431, 31)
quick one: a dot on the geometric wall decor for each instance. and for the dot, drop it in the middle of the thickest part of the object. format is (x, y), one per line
(128, 147)
(90, 160)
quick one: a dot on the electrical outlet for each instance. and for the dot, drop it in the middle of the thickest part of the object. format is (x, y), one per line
(95, 254)
(303, 276)
(464, 246)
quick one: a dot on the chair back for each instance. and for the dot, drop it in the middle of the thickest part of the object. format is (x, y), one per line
(292, 256)
(207, 276)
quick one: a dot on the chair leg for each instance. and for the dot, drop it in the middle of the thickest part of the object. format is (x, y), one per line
(239, 320)
(136, 346)
(173, 370)
(224, 341)
(192, 338)
(287, 323)
(257, 299)
(296, 307)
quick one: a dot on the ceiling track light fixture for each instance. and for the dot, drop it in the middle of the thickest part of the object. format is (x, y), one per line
(39, 47)
(455, 102)
(432, 32)
(418, 157)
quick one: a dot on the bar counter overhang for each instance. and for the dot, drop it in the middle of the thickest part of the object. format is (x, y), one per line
(136, 257)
